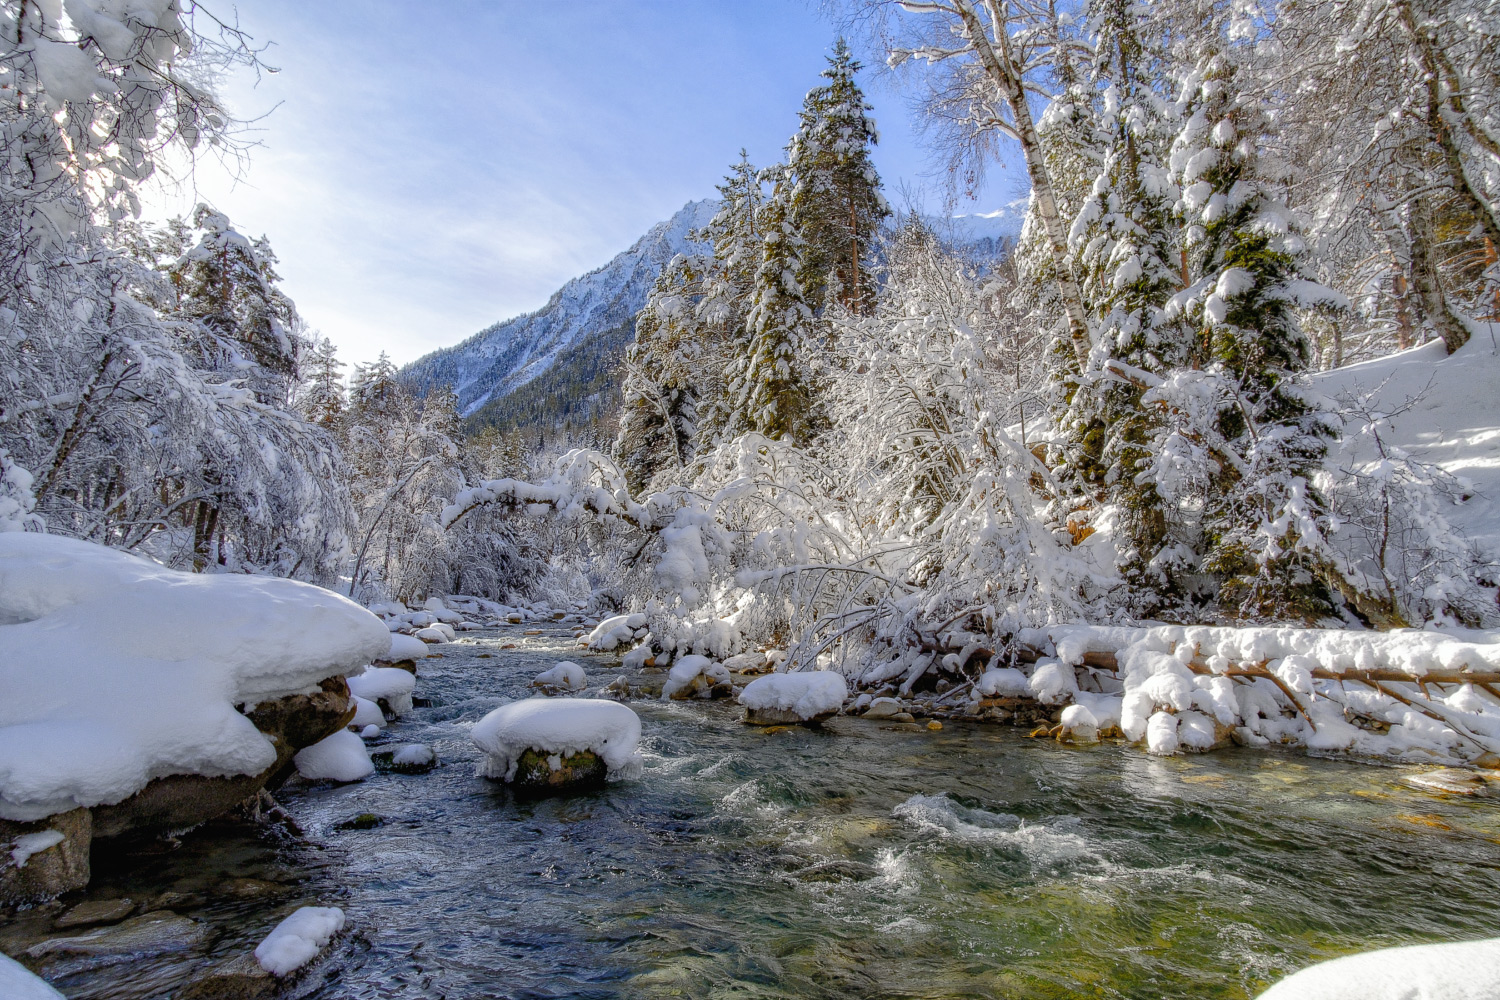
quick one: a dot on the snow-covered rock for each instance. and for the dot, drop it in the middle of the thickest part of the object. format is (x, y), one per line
(390, 687)
(1468, 970)
(405, 647)
(117, 670)
(297, 940)
(559, 727)
(807, 696)
(612, 632)
(367, 714)
(694, 676)
(564, 676)
(340, 757)
(435, 633)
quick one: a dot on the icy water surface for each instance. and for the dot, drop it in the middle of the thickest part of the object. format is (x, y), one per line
(852, 862)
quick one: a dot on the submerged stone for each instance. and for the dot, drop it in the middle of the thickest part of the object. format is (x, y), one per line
(150, 934)
(96, 911)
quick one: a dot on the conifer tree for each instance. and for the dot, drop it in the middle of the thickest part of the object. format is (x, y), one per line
(321, 398)
(1261, 439)
(835, 200)
(769, 388)
(1124, 241)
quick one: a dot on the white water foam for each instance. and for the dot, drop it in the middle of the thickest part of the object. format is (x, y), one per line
(1043, 843)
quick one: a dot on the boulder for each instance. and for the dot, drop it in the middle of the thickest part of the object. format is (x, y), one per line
(785, 717)
(538, 772)
(159, 933)
(180, 801)
(45, 858)
(883, 708)
(240, 978)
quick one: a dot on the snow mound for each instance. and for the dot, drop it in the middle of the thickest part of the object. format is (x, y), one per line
(117, 670)
(434, 634)
(18, 983)
(413, 755)
(564, 676)
(1464, 971)
(611, 632)
(340, 757)
(808, 694)
(297, 940)
(688, 669)
(565, 727)
(406, 647)
(367, 713)
(389, 684)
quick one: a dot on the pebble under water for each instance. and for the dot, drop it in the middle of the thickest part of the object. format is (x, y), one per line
(858, 860)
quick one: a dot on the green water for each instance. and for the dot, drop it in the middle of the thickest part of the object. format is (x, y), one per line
(857, 861)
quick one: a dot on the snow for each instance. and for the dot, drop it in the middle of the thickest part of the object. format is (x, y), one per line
(809, 693)
(611, 632)
(117, 670)
(1003, 682)
(33, 843)
(565, 675)
(1455, 423)
(413, 755)
(688, 668)
(1468, 970)
(435, 633)
(18, 983)
(606, 728)
(367, 714)
(1177, 687)
(340, 757)
(297, 940)
(406, 647)
(389, 684)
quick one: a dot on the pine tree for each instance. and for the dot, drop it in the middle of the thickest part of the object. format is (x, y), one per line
(769, 390)
(1261, 516)
(227, 284)
(1124, 241)
(835, 201)
(321, 398)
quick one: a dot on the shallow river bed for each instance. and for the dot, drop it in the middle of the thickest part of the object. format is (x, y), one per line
(853, 861)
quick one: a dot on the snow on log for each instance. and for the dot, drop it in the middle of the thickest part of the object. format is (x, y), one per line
(118, 670)
(561, 727)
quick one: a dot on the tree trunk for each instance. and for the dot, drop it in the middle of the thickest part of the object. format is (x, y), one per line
(1424, 273)
(1000, 67)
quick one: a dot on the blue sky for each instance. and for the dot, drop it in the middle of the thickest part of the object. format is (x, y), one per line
(430, 168)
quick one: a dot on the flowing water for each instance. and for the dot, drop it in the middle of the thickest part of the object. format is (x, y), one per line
(855, 861)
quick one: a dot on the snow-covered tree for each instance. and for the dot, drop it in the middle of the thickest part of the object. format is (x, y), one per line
(836, 204)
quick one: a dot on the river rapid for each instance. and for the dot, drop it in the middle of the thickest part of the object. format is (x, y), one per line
(859, 860)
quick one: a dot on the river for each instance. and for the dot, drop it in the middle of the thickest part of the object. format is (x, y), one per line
(853, 861)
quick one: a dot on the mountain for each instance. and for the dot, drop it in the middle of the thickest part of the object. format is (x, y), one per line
(559, 366)
(500, 359)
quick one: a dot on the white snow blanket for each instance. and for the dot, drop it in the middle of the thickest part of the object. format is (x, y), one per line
(298, 939)
(1466, 971)
(565, 676)
(607, 728)
(389, 684)
(1454, 422)
(116, 670)
(808, 694)
(18, 983)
